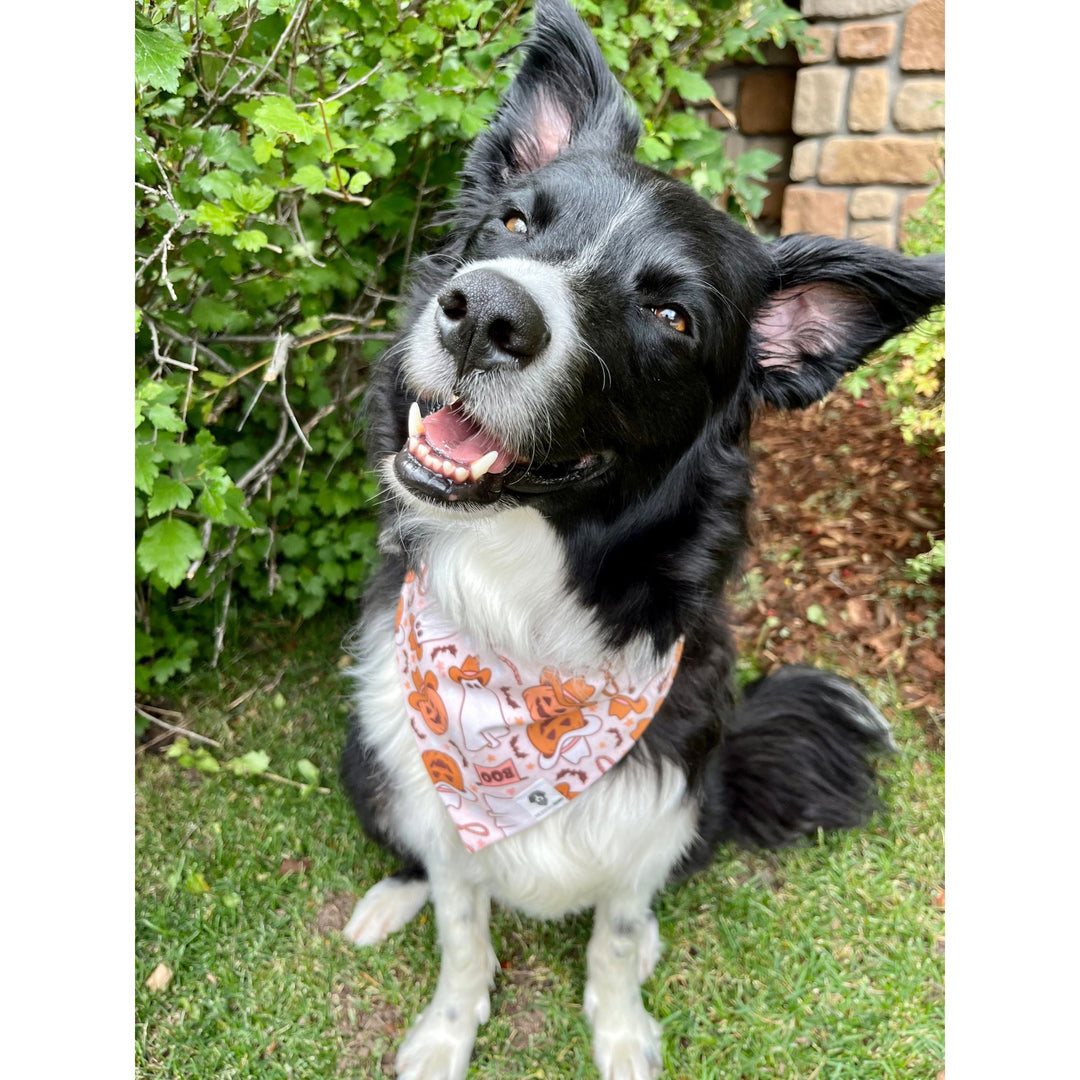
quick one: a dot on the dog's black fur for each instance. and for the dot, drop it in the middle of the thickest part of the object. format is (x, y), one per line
(642, 470)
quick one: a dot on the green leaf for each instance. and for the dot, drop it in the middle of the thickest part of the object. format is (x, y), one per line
(160, 53)
(220, 219)
(165, 418)
(308, 772)
(169, 493)
(278, 116)
(250, 764)
(222, 502)
(253, 198)
(250, 240)
(310, 178)
(196, 883)
(691, 85)
(169, 547)
(816, 614)
(359, 181)
(210, 314)
(146, 467)
(263, 149)
(394, 87)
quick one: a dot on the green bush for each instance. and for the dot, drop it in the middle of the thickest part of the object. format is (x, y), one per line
(289, 158)
(911, 366)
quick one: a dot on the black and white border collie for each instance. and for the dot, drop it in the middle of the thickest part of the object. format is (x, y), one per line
(561, 432)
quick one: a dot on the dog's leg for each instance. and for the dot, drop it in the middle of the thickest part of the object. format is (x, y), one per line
(387, 907)
(623, 950)
(439, 1044)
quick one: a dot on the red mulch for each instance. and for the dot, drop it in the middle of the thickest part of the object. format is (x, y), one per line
(842, 502)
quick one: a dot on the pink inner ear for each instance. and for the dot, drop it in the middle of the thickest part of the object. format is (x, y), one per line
(549, 133)
(805, 319)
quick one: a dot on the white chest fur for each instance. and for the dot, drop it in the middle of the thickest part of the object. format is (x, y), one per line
(502, 578)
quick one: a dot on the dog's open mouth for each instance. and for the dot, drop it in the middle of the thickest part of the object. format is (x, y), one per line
(449, 458)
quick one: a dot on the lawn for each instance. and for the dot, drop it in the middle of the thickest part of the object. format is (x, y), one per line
(819, 963)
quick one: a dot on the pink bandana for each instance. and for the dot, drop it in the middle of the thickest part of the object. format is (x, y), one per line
(505, 746)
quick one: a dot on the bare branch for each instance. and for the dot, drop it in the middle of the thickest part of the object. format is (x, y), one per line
(145, 712)
(219, 636)
(345, 90)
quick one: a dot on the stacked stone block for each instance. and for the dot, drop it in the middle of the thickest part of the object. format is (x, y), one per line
(870, 117)
(857, 119)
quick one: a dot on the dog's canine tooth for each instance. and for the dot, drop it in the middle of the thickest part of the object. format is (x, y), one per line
(413, 443)
(416, 425)
(481, 465)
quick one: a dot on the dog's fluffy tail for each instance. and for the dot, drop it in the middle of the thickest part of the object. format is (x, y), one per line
(797, 759)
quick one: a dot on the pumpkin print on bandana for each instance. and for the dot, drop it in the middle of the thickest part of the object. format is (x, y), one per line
(503, 745)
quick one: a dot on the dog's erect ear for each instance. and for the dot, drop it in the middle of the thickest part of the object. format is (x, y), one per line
(831, 304)
(562, 95)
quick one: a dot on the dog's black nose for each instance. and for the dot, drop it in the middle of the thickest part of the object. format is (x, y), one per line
(488, 321)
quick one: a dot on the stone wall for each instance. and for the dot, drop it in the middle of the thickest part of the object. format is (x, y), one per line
(858, 120)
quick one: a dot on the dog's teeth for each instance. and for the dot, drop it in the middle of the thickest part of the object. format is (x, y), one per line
(448, 468)
(416, 425)
(454, 399)
(481, 465)
(414, 442)
(461, 474)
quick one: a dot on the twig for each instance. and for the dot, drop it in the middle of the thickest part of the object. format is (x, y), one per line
(263, 466)
(165, 245)
(288, 408)
(341, 93)
(300, 235)
(295, 783)
(160, 357)
(259, 339)
(145, 711)
(330, 148)
(416, 216)
(219, 637)
(177, 336)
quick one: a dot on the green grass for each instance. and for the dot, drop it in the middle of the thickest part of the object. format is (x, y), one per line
(821, 963)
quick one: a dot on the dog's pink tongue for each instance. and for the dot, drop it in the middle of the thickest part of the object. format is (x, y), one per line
(453, 435)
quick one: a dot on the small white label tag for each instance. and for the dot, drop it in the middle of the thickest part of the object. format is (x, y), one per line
(540, 799)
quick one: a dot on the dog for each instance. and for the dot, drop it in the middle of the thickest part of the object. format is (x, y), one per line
(545, 710)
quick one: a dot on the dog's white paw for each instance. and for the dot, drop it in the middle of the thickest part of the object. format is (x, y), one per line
(438, 1046)
(384, 908)
(628, 1050)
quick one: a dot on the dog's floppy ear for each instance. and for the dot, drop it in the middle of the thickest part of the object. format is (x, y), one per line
(831, 304)
(562, 95)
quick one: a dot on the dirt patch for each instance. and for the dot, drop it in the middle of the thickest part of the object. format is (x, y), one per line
(369, 1030)
(334, 913)
(520, 1002)
(842, 503)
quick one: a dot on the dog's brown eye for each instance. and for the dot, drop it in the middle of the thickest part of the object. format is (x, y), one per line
(675, 317)
(516, 223)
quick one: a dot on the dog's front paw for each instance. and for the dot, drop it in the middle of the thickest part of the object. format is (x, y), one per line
(384, 908)
(439, 1044)
(628, 1050)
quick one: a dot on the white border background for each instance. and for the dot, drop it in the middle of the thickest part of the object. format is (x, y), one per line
(67, 544)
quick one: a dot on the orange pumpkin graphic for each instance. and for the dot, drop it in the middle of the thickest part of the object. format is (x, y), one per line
(427, 702)
(443, 769)
(556, 707)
